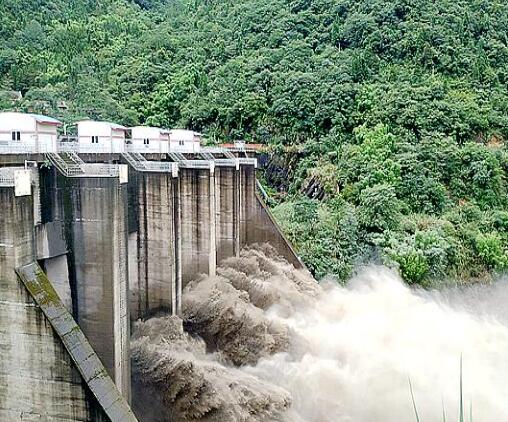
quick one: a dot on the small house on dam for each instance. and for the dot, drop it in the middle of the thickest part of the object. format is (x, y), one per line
(149, 139)
(22, 133)
(184, 141)
(101, 137)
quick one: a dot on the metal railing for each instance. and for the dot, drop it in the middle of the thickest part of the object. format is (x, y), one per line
(246, 148)
(15, 148)
(68, 169)
(213, 150)
(7, 177)
(18, 147)
(262, 191)
(138, 156)
(226, 162)
(207, 156)
(100, 170)
(65, 146)
(196, 164)
(248, 161)
(159, 166)
(74, 146)
(144, 149)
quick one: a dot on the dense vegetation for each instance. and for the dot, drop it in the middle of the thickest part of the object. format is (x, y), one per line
(394, 111)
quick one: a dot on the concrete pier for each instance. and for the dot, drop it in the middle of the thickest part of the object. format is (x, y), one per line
(157, 284)
(197, 210)
(184, 226)
(227, 216)
(38, 380)
(95, 212)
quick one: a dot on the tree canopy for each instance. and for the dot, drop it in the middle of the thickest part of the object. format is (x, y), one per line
(397, 110)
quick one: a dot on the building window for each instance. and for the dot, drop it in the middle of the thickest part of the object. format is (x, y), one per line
(146, 141)
(16, 136)
(181, 143)
(95, 139)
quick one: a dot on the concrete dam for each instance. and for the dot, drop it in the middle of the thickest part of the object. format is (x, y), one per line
(100, 230)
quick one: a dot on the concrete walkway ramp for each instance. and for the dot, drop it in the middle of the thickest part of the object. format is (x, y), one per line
(82, 354)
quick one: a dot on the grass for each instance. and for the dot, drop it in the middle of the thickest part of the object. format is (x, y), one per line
(461, 398)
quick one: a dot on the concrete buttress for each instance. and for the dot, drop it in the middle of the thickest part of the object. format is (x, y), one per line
(38, 380)
(95, 212)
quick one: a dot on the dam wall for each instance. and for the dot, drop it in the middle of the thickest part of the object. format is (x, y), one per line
(256, 221)
(38, 380)
(154, 252)
(113, 249)
(186, 225)
(197, 210)
(227, 216)
(85, 222)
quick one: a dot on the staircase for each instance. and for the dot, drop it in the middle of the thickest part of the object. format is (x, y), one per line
(139, 163)
(67, 163)
(207, 156)
(138, 156)
(229, 154)
(177, 156)
(71, 165)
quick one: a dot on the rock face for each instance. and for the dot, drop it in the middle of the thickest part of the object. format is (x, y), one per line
(194, 370)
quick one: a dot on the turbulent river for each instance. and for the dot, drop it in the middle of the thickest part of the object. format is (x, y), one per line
(262, 341)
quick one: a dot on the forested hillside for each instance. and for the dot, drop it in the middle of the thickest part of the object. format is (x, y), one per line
(389, 116)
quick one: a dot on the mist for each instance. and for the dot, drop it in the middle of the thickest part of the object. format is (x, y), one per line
(262, 341)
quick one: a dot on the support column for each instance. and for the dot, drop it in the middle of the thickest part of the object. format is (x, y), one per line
(226, 212)
(97, 233)
(247, 206)
(156, 246)
(212, 257)
(177, 220)
(237, 211)
(197, 205)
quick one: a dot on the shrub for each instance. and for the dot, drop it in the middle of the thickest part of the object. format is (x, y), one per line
(490, 249)
(379, 208)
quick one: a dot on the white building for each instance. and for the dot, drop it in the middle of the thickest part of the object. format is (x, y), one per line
(101, 137)
(23, 133)
(149, 140)
(181, 140)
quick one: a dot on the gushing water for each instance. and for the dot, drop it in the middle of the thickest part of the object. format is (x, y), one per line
(264, 342)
